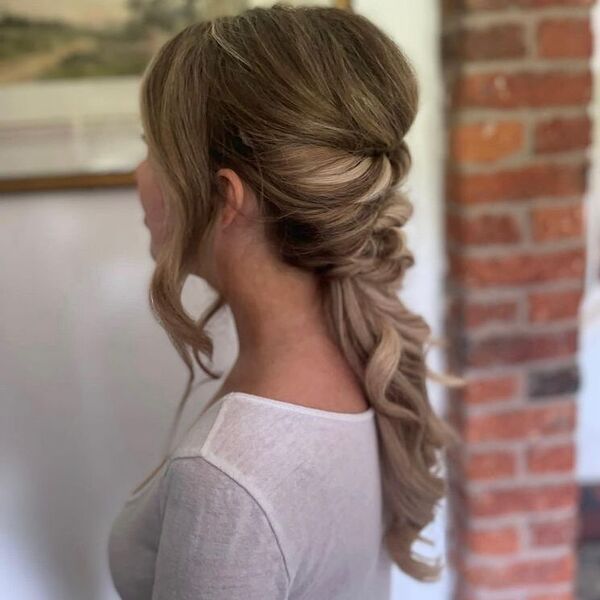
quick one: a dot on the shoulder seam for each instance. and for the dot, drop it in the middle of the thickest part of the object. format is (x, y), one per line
(197, 451)
(252, 497)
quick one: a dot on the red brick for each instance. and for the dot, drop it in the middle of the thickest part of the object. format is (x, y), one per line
(517, 269)
(554, 532)
(503, 540)
(522, 572)
(562, 134)
(518, 348)
(483, 229)
(477, 314)
(491, 389)
(497, 41)
(558, 380)
(490, 465)
(557, 222)
(531, 498)
(555, 596)
(564, 38)
(552, 306)
(524, 89)
(485, 142)
(453, 414)
(550, 459)
(519, 424)
(551, 179)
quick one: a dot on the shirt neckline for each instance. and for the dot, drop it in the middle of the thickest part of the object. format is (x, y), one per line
(366, 415)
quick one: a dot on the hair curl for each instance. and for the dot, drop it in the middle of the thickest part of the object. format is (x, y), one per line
(326, 155)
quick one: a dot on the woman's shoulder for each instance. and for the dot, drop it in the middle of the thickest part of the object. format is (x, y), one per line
(292, 460)
(259, 440)
(237, 418)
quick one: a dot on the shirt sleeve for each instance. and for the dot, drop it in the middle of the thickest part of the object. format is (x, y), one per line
(216, 542)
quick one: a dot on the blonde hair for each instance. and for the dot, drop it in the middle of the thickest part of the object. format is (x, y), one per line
(310, 106)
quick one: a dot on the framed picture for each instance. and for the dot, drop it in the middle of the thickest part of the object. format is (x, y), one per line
(69, 84)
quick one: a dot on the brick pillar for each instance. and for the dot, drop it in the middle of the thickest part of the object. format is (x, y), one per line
(518, 88)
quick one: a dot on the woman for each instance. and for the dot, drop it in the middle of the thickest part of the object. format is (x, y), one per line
(275, 150)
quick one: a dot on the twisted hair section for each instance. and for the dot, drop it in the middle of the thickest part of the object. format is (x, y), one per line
(386, 344)
(310, 106)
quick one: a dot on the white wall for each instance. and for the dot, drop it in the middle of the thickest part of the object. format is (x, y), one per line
(89, 385)
(588, 446)
(415, 27)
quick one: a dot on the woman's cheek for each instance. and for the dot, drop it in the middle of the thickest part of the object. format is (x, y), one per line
(152, 201)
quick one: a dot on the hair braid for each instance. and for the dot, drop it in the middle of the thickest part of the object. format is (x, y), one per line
(385, 343)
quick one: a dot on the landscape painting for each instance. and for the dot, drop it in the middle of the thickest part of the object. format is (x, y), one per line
(69, 81)
(69, 39)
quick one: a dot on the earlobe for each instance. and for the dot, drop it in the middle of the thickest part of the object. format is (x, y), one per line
(231, 191)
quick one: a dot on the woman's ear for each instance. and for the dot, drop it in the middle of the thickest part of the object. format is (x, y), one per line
(233, 193)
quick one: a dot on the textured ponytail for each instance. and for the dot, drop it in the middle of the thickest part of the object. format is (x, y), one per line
(385, 343)
(325, 156)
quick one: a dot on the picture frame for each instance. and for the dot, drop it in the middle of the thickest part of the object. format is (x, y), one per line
(72, 132)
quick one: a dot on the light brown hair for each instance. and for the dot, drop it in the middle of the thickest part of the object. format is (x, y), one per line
(310, 106)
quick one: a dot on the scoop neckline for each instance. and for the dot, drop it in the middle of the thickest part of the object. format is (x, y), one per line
(365, 415)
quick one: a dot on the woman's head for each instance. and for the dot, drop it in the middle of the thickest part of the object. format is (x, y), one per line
(307, 106)
(296, 117)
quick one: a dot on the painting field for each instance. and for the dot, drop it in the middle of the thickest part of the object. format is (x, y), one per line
(34, 47)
